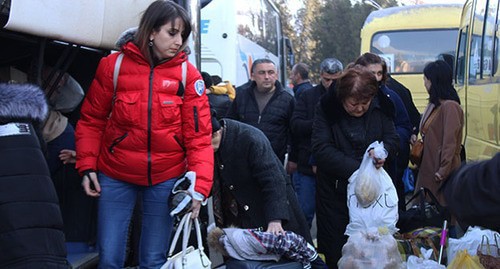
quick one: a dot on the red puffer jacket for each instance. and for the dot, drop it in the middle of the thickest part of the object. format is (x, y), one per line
(152, 134)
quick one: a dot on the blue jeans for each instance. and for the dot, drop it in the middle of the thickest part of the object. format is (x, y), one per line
(305, 187)
(115, 208)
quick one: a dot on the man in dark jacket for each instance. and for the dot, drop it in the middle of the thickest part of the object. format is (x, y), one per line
(472, 194)
(304, 179)
(31, 229)
(265, 105)
(251, 188)
(300, 79)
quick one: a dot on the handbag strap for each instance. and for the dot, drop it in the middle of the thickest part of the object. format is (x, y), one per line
(116, 73)
(177, 234)
(422, 192)
(187, 232)
(431, 117)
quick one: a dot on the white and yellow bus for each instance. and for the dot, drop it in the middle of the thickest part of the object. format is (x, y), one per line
(477, 77)
(408, 37)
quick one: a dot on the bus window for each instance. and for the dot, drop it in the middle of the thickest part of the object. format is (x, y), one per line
(271, 20)
(258, 23)
(489, 39)
(461, 52)
(410, 52)
(410, 36)
(475, 66)
(496, 58)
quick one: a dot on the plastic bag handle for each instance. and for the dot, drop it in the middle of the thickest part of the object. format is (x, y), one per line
(496, 242)
(488, 250)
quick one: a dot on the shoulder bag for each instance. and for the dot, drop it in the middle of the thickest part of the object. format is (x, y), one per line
(417, 149)
(188, 257)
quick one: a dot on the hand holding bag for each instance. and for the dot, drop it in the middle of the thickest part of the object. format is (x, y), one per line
(189, 257)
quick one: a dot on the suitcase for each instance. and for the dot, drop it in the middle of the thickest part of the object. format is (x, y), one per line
(237, 264)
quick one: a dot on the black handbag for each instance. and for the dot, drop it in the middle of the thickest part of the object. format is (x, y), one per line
(423, 214)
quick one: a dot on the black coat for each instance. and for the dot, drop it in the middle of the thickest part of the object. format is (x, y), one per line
(407, 99)
(274, 121)
(339, 142)
(301, 123)
(247, 167)
(472, 194)
(31, 226)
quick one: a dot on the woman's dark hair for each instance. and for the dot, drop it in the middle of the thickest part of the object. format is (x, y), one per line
(157, 14)
(370, 58)
(440, 75)
(356, 82)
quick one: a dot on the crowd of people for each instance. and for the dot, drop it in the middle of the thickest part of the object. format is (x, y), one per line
(158, 117)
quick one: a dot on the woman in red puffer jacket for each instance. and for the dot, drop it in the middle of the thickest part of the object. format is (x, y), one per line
(144, 134)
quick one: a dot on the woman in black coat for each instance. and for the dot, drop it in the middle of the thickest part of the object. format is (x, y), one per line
(251, 181)
(31, 234)
(347, 120)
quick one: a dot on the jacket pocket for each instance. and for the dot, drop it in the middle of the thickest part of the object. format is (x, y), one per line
(170, 109)
(126, 109)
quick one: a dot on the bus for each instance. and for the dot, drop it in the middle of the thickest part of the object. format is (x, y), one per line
(477, 77)
(72, 36)
(410, 36)
(234, 33)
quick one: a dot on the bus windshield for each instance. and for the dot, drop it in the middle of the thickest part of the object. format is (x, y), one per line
(408, 51)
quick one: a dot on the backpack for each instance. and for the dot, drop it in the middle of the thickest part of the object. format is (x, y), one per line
(116, 72)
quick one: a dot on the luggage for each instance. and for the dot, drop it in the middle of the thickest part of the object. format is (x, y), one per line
(237, 264)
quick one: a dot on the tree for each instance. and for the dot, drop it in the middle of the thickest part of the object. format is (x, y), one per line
(327, 28)
(303, 40)
(333, 32)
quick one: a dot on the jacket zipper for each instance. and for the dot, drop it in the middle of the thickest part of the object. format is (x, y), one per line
(116, 141)
(150, 105)
(176, 138)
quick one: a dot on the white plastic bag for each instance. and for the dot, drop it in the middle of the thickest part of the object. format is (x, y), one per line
(469, 241)
(415, 262)
(369, 183)
(370, 249)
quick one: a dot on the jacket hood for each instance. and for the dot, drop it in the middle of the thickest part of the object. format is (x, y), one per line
(22, 102)
(129, 35)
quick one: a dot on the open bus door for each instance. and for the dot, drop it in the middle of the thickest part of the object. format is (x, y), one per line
(71, 36)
